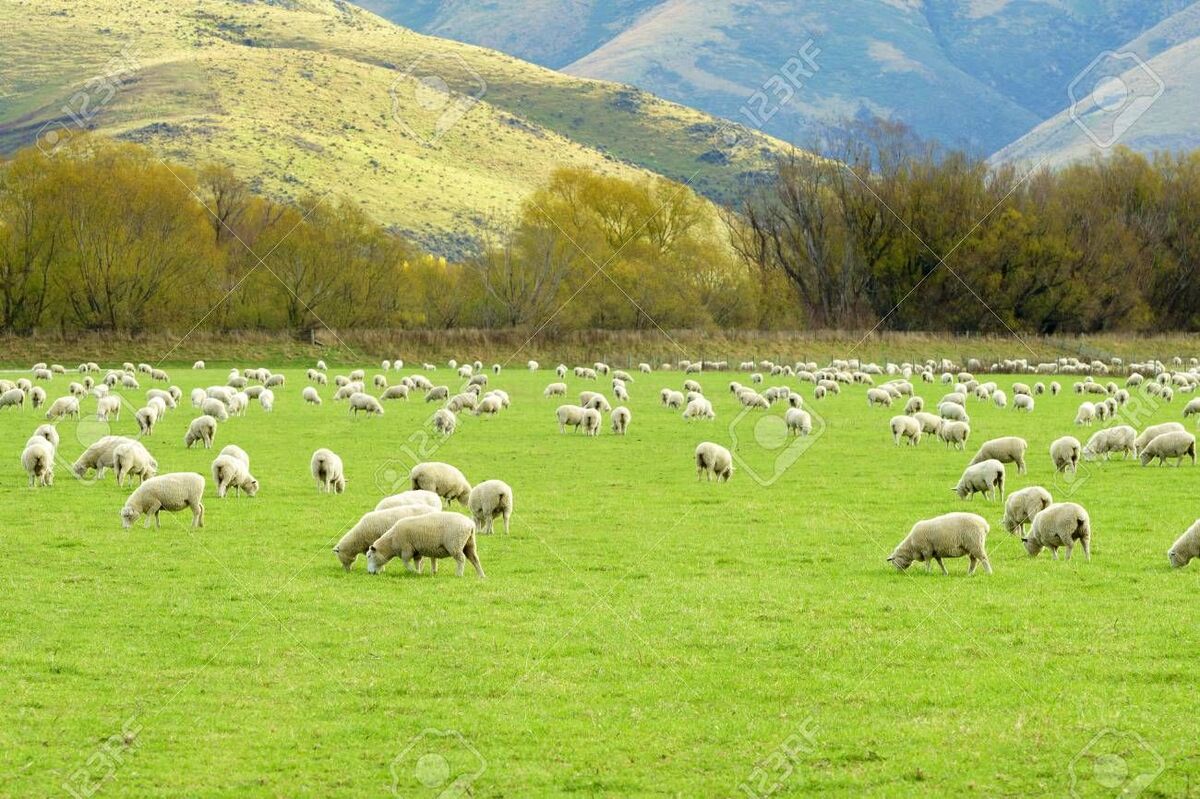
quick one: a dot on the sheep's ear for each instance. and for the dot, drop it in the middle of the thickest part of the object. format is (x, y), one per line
(1024, 540)
(891, 558)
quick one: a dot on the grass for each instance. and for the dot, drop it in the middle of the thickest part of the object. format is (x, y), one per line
(639, 633)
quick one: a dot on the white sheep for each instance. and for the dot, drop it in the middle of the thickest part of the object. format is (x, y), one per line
(620, 420)
(216, 409)
(1009, 449)
(109, 406)
(591, 422)
(38, 460)
(444, 421)
(441, 478)
(569, 416)
(48, 432)
(132, 458)
(231, 471)
(699, 408)
(266, 400)
(1153, 431)
(1113, 439)
(169, 492)
(372, 526)
(1177, 444)
(930, 423)
(398, 391)
(1065, 453)
(429, 499)
(98, 456)
(555, 390)
(198, 365)
(490, 499)
(951, 535)
(1022, 506)
(63, 407)
(953, 412)
(1186, 547)
(954, 433)
(985, 477)
(799, 422)
(431, 535)
(488, 406)
(1086, 414)
(310, 395)
(437, 393)
(327, 470)
(365, 403)
(904, 427)
(1023, 402)
(713, 461)
(202, 429)
(1060, 525)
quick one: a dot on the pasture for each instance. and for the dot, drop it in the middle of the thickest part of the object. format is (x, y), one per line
(639, 633)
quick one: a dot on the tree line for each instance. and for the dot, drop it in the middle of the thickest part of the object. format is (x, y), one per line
(102, 235)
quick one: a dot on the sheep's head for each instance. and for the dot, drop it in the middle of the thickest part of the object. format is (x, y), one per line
(1032, 546)
(339, 485)
(901, 560)
(128, 516)
(961, 491)
(1175, 560)
(346, 559)
(376, 560)
(250, 487)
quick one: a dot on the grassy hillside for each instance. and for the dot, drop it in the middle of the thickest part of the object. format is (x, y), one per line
(317, 96)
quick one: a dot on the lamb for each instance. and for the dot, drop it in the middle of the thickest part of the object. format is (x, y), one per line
(620, 420)
(328, 471)
(1010, 449)
(1113, 439)
(372, 526)
(1064, 453)
(310, 395)
(951, 535)
(955, 433)
(490, 499)
(569, 416)
(131, 458)
(427, 498)
(903, 427)
(230, 471)
(216, 409)
(985, 477)
(1060, 525)
(444, 421)
(430, 535)
(38, 460)
(1176, 445)
(1186, 547)
(398, 391)
(1022, 506)
(202, 429)
(62, 407)
(98, 456)
(1152, 432)
(799, 422)
(713, 460)
(169, 492)
(441, 478)
(365, 403)
(591, 421)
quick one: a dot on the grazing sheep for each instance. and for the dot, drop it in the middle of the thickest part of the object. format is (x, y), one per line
(672, 399)
(620, 420)
(905, 427)
(48, 432)
(266, 400)
(930, 423)
(1113, 439)
(1177, 445)
(488, 406)
(431, 535)
(952, 411)
(1064, 453)
(98, 456)
(877, 396)
(999, 399)
(38, 460)
(1086, 414)
(692, 385)
(146, 419)
(914, 405)
(203, 429)
(398, 391)
(1023, 402)
(198, 365)
(1186, 547)
(1060, 525)
(216, 409)
(365, 403)
(37, 397)
(557, 390)
(230, 471)
(1022, 506)
(108, 406)
(462, 401)
(985, 477)
(169, 492)
(62, 407)
(569, 416)
(444, 421)
(713, 461)
(699, 408)
(437, 393)
(328, 471)
(1154, 431)
(310, 395)
(1010, 449)
(372, 526)
(591, 422)
(954, 434)
(951, 535)
(490, 499)
(427, 498)
(441, 478)
(132, 458)
(799, 422)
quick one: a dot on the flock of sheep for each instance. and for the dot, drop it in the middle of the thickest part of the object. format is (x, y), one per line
(414, 526)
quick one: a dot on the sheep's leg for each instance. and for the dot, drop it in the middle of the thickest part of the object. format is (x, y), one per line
(1068, 546)
(1054, 552)
(507, 517)
(971, 567)
(928, 566)
(941, 565)
(473, 556)
(461, 560)
(198, 515)
(987, 564)
(1086, 543)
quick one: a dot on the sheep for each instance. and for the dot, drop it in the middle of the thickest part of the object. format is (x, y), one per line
(951, 535)
(48, 432)
(999, 399)
(985, 477)
(569, 416)
(591, 421)
(63, 407)
(169, 492)
(437, 393)
(327, 470)
(877, 396)
(952, 411)
(372, 526)
(1055, 388)
(202, 429)
(490, 499)
(231, 471)
(954, 433)
(1113, 439)
(310, 395)
(266, 400)
(799, 422)
(37, 396)
(365, 403)
(699, 408)
(1154, 431)
(1010, 449)
(441, 478)
(930, 423)
(620, 420)
(38, 460)
(713, 461)
(398, 391)
(1192, 408)
(532, 365)
(1186, 547)
(427, 498)
(672, 399)
(903, 427)
(431, 535)
(444, 421)
(1064, 453)
(488, 406)
(819, 392)
(1086, 414)
(215, 408)
(1023, 402)
(1177, 445)
(462, 401)
(130, 458)
(98, 456)
(1060, 525)
(108, 406)
(914, 405)
(1022, 506)
(692, 385)
(198, 365)
(556, 390)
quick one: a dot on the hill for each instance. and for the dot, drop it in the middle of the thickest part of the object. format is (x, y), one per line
(315, 96)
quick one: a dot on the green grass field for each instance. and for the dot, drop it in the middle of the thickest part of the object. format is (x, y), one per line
(638, 634)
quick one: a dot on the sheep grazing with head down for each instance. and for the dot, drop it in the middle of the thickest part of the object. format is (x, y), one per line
(310, 395)
(327, 470)
(445, 422)
(202, 429)
(591, 422)
(799, 422)
(48, 432)
(1186, 547)
(556, 390)
(1154, 431)
(441, 478)
(366, 404)
(427, 498)
(132, 458)
(1009, 449)
(38, 460)
(230, 471)
(713, 462)
(398, 391)
(1113, 439)
(372, 526)
(951, 535)
(169, 492)
(1065, 453)
(955, 434)
(985, 477)
(1176, 444)
(431, 535)
(1022, 506)
(905, 427)
(620, 420)
(99, 456)
(490, 499)
(1060, 525)
(699, 408)
(63, 407)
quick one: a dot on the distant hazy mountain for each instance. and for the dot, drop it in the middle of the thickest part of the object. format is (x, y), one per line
(976, 73)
